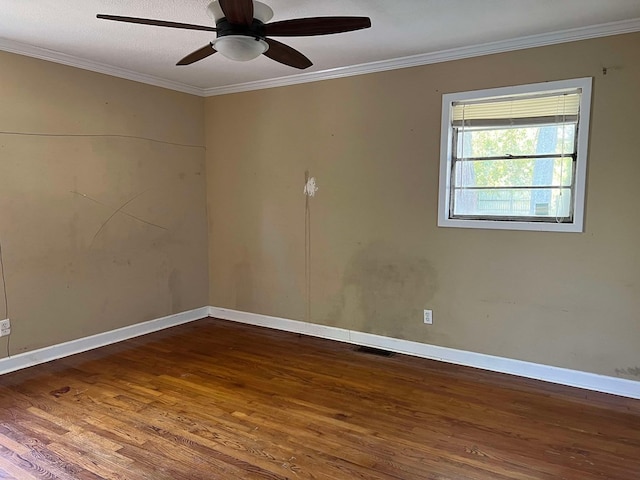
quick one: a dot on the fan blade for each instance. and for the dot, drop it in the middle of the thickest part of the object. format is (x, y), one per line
(303, 27)
(158, 23)
(239, 12)
(199, 54)
(285, 54)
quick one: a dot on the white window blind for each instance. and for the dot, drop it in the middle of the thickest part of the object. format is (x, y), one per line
(535, 109)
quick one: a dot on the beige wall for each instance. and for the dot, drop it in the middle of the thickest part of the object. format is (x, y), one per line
(97, 231)
(378, 258)
(101, 228)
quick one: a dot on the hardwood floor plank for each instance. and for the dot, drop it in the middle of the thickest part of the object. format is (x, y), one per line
(214, 399)
(9, 470)
(38, 453)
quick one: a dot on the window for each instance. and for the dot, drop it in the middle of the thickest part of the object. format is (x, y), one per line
(515, 157)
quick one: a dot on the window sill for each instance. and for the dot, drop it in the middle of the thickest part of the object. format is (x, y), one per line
(510, 225)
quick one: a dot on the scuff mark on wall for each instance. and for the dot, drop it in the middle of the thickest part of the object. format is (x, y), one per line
(99, 135)
(120, 210)
(628, 372)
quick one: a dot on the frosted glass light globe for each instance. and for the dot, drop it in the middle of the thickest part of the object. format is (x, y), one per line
(240, 47)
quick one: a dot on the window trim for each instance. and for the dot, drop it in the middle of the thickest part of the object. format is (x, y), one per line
(582, 144)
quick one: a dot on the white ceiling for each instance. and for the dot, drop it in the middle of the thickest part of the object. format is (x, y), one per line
(67, 31)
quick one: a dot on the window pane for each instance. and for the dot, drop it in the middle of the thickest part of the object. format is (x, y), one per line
(499, 142)
(543, 203)
(513, 173)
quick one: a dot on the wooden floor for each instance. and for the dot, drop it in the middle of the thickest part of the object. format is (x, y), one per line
(216, 400)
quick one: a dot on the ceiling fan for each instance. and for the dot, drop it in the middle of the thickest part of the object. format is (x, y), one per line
(242, 31)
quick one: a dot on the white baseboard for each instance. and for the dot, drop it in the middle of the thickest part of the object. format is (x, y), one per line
(562, 376)
(42, 355)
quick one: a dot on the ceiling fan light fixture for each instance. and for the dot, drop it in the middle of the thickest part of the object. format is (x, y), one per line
(240, 47)
(243, 32)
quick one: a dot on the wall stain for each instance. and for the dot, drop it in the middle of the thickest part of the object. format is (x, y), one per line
(121, 261)
(384, 291)
(628, 372)
(175, 287)
(243, 284)
(74, 231)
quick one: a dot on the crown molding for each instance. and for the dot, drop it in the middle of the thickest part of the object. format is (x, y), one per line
(69, 60)
(531, 41)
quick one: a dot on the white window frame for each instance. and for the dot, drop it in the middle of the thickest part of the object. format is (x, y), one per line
(582, 144)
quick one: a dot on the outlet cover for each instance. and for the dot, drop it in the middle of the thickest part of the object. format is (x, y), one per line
(428, 317)
(5, 324)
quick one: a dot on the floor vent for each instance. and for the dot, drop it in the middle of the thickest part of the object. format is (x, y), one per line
(374, 351)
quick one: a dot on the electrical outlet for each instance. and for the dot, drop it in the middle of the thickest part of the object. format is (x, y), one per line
(428, 317)
(5, 327)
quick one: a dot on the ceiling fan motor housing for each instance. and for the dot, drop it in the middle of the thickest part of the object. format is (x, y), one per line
(255, 30)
